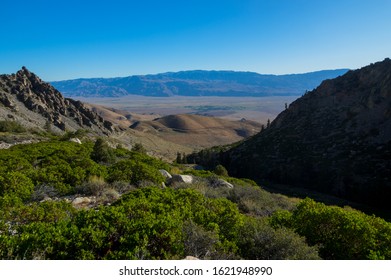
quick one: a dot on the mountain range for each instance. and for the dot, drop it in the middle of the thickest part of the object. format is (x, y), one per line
(335, 139)
(36, 106)
(197, 83)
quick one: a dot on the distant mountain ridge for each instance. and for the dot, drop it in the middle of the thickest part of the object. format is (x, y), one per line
(197, 83)
(335, 139)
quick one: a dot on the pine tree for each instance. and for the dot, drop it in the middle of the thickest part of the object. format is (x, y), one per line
(101, 152)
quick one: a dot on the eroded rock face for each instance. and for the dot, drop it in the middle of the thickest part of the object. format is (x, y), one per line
(26, 89)
(335, 139)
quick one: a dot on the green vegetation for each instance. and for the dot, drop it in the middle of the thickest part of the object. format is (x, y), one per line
(101, 152)
(135, 218)
(339, 233)
(11, 126)
(220, 170)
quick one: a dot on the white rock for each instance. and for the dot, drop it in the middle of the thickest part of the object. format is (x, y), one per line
(165, 174)
(223, 183)
(76, 140)
(81, 202)
(188, 179)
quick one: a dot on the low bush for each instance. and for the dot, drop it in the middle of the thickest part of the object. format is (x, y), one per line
(339, 233)
(11, 126)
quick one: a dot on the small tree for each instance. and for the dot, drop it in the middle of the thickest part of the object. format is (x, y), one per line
(48, 126)
(139, 148)
(220, 170)
(102, 152)
(178, 157)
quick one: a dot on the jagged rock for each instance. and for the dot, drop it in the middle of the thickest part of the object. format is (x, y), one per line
(165, 174)
(76, 140)
(7, 101)
(188, 179)
(24, 91)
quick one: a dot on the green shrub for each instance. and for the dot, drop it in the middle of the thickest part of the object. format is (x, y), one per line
(11, 126)
(220, 170)
(16, 183)
(134, 172)
(257, 240)
(139, 148)
(339, 233)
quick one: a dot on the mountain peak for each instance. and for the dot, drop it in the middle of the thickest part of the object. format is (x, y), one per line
(26, 98)
(24, 72)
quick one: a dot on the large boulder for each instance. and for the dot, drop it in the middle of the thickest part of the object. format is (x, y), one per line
(188, 179)
(216, 182)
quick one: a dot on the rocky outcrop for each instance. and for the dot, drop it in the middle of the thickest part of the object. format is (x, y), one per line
(24, 91)
(335, 139)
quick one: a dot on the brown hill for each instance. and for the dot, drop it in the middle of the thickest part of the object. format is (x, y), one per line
(122, 118)
(198, 131)
(25, 98)
(334, 139)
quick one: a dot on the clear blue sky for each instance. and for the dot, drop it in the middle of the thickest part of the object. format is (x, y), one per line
(69, 39)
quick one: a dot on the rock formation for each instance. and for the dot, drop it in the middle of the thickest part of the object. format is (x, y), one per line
(26, 98)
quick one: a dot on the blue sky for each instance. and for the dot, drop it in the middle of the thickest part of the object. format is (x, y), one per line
(70, 39)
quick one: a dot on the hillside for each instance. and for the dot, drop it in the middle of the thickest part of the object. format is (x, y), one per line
(26, 99)
(335, 139)
(198, 131)
(198, 83)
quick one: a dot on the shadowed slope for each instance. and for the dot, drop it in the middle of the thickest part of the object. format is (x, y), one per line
(335, 139)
